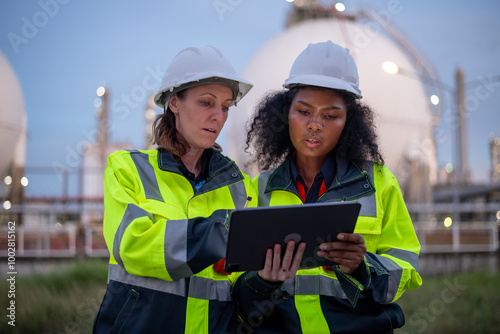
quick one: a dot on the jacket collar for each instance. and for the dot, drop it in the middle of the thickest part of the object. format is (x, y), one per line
(349, 177)
(221, 169)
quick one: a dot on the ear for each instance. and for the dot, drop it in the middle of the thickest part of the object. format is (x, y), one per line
(172, 103)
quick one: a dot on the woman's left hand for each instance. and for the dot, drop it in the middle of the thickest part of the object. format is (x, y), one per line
(348, 251)
(277, 269)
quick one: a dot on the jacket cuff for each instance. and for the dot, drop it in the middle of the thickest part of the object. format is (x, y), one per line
(352, 285)
(361, 279)
(258, 285)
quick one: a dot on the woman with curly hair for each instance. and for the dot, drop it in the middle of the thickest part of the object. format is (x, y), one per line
(316, 142)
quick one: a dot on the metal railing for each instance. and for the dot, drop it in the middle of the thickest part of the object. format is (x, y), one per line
(477, 230)
(53, 230)
(70, 231)
(482, 237)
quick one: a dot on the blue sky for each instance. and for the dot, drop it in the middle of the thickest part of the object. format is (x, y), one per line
(62, 50)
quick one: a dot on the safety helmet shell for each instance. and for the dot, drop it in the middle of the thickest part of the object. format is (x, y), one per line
(195, 66)
(325, 64)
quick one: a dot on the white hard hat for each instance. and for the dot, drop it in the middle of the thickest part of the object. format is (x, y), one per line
(326, 65)
(195, 66)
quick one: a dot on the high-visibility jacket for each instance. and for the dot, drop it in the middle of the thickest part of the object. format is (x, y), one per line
(164, 237)
(324, 299)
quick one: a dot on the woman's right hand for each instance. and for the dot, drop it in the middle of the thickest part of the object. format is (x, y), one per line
(278, 270)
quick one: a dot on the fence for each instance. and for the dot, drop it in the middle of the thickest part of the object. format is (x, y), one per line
(54, 230)
(51, 231)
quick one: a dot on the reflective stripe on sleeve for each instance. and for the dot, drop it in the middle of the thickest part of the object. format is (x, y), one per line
(175, 243)
(147, 175)
(175, 247)
(395, 273)
(328, 286)
(131, 212)
(404, 255)
(395, 270)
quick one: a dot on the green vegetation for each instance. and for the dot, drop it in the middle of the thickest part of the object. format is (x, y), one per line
(66, 301)
(464, 303)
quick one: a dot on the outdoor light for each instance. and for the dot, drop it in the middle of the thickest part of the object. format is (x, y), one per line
(24, 181)
(7, 180)
(340, 6)
(390, 67)
(101, 91)
(7, 205)
(448, 222)
(435, 100)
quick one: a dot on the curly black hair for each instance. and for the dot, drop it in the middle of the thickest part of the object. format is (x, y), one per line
(269, 137)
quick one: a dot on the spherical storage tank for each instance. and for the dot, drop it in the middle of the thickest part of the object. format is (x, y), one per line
(403, 112)
(12, 118)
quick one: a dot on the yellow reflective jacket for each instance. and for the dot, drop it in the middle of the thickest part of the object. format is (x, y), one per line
(164, 237)
(324, 299)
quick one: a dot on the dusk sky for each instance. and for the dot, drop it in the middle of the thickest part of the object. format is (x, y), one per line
(62, 51)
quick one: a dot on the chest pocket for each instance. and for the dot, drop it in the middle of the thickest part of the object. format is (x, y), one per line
(370, 228)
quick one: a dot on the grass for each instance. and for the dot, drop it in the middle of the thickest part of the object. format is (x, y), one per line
(66, 301)
(464, 303)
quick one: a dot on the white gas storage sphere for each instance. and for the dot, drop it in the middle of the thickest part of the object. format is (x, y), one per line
(404, 116)
(12, 118)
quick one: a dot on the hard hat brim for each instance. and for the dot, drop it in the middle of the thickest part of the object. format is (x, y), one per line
(239, 86)
(322, 81)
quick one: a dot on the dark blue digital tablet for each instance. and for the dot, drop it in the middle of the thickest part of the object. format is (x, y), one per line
(254, 230)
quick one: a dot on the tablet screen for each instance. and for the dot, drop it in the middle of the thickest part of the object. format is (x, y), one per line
(254, 230)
